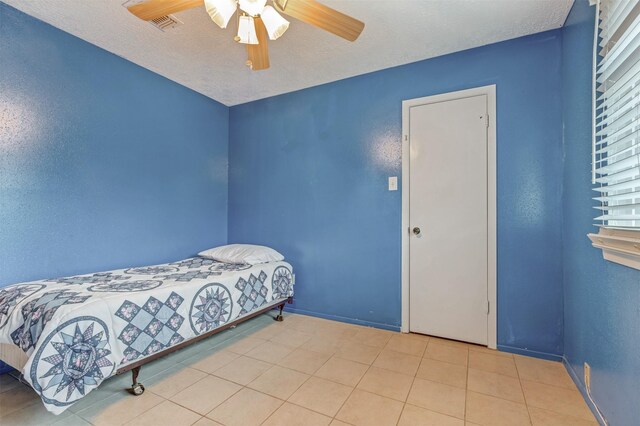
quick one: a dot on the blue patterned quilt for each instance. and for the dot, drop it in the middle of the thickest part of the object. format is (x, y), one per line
(77, 331)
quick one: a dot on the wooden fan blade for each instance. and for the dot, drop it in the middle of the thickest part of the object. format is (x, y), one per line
(321, 16)
(259, 53)
(154, 9)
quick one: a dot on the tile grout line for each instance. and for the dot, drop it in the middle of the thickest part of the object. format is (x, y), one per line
(287, 399)
(302, 384)
(545, 408)
(197, 381)
(310, 376)
(166, 400)
(313, 375)
(404, 405)
(569, 389)
(447, 362)
(482, 392)
(221, 378)
(496, 357)
(356, 385)
(242, 386)
(526, 404)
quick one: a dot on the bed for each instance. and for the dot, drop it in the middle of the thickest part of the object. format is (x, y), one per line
(67, 335)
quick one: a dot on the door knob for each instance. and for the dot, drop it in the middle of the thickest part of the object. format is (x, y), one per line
(416, 231)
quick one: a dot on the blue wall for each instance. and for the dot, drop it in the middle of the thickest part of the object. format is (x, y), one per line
(602, 299)
(308, 175)
(103, 164)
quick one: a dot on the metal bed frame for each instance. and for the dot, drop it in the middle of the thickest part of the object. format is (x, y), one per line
(138, 388)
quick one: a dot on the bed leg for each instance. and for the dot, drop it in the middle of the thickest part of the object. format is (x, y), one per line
(279, 317)
(136, 388)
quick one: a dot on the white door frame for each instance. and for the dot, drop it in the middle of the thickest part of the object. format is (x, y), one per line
(490, 92)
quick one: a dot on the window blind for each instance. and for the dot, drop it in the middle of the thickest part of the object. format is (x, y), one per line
(616, 142)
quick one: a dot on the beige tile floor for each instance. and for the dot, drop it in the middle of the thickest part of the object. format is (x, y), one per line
(308, 371)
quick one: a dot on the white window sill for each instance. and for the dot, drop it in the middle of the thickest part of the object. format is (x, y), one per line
(618, 245)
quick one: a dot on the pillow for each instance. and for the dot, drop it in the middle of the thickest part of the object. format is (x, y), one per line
(242, 253)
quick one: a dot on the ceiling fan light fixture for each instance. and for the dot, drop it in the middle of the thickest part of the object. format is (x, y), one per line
(257, 22)
(274, 22)
(252, 7)
(247, 30)
(220, 11)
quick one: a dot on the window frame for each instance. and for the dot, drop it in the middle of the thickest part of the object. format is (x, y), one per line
(619, 245)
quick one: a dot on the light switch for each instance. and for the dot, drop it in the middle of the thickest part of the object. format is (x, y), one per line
(393, 183)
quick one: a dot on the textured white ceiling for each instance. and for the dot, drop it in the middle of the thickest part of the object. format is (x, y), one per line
(205, 58)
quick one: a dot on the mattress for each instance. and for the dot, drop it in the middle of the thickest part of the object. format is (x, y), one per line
(77, 331)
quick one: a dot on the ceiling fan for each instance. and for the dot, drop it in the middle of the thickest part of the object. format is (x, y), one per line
(258, 21)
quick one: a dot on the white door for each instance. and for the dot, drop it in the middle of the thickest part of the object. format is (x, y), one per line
(448, 219)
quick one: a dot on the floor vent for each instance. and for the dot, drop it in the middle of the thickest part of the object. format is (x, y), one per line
(166, 22)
